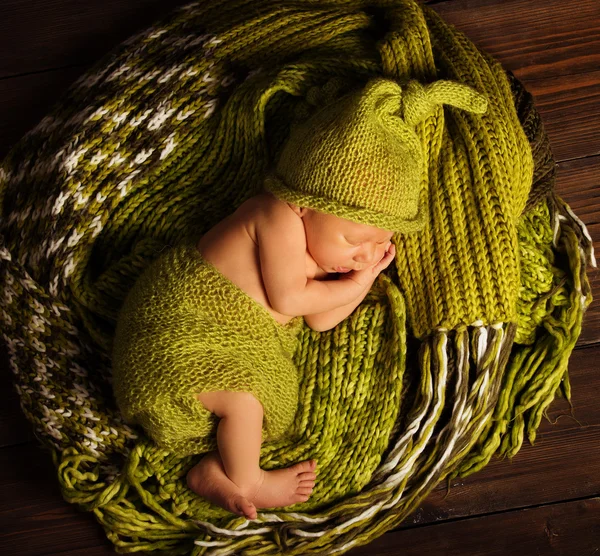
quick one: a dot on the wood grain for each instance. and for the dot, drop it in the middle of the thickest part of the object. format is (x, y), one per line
(554, 38)
(34, 519)
(44, 35)
(545, 502)
(567, 529)
(25, 100)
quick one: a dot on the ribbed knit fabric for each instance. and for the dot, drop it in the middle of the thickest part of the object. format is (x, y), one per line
(184, 329)
(465, 268)
(454, 355)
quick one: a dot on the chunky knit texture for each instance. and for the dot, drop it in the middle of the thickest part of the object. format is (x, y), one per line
(360, 158)
(184, 329)
(442, 366)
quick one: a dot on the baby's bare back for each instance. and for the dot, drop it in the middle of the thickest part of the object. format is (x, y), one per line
(232, 247)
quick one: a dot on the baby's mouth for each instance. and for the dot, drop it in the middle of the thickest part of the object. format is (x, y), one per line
(342, 269)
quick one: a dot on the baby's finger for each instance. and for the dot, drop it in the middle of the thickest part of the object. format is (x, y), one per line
(388, 260)
(385, 261)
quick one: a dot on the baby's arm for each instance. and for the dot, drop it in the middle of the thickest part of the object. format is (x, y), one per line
(282, 250)
(329, 319)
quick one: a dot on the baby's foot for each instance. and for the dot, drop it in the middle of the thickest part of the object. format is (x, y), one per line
(283, 487)
(209, 480)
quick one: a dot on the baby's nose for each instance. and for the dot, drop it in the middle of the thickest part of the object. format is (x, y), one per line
(367, 254)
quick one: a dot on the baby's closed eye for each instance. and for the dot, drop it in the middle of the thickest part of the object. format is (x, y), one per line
(357, 244)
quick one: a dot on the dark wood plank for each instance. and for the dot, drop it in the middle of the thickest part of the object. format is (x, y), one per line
(570, 110)
(45, 34)
(578, 183)
(48, 525)
(567, 529)
(25, 100)
(561, 39)
(534, 39)
(14, 427)
(34, 519)
(542, 47)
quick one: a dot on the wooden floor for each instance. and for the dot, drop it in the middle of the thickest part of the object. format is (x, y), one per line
(547, 500)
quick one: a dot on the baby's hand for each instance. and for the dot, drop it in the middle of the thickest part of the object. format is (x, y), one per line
(367, 276)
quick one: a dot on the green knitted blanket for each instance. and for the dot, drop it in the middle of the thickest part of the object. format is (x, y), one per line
(452, 357)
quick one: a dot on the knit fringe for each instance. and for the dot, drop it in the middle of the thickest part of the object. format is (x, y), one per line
(537, 372)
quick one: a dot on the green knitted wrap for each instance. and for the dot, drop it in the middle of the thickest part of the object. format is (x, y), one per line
(453, 356)
(185, 328)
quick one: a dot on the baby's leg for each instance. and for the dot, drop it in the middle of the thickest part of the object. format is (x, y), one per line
(233, 478)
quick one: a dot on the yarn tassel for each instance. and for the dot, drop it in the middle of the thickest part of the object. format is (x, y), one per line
(421, 456)
(537, 372)
(479, 350)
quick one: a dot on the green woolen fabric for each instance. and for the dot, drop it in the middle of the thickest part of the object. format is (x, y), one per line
(360, 157)
(185, 328)
(451, 359)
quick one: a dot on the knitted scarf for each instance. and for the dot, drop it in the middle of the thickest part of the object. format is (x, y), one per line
(452, 357)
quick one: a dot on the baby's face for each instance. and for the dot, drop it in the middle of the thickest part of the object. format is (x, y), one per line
(340, 245)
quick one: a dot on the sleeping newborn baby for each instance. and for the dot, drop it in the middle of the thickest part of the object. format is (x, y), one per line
(281, 255)
(219, 319)
(204, 344)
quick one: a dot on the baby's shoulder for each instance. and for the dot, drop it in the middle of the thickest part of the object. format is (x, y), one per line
(275, 216)
(265, 202)
(270, 213)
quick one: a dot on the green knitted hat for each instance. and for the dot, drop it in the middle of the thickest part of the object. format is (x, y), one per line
(360, 157)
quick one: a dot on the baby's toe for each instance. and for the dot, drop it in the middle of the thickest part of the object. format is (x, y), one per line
(300, 498)
(242, 506)
(307, 466)
(304, 490)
